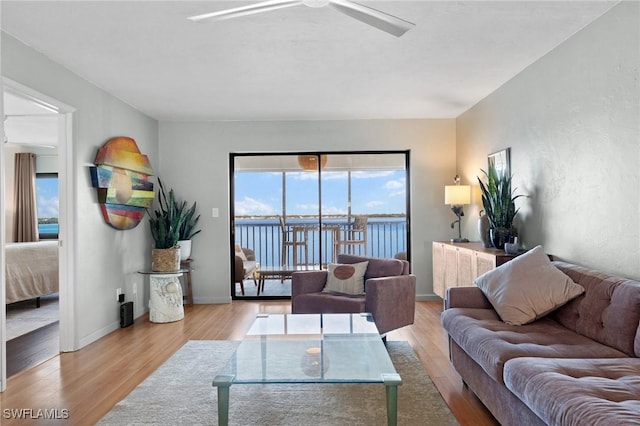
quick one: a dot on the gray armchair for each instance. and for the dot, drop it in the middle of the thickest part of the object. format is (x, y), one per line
(245, 268)
(390, 293)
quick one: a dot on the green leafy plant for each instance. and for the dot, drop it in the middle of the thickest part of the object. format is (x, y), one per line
(187, 230)
(498, 199)
(166, 220)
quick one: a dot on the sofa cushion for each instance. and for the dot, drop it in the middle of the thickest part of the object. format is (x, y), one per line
(578, 391)
(328, 303)
(608, 312)
(527, 288)
(491, 342)
(346, 278)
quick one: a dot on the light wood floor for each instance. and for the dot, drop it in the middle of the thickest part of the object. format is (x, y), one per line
(89, 382)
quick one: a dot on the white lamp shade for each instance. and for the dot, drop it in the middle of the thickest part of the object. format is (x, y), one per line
(457, 195)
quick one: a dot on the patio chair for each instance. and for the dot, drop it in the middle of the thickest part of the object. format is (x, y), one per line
(245, 266)
(389, 293)
(294, 237)
(355, 235)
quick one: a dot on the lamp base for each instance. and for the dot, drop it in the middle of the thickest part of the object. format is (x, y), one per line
(459, 240)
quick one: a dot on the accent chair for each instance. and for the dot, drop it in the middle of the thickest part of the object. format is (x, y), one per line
(389, 293)
(245, 266)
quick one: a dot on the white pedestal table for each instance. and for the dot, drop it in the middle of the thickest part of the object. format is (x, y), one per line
(165, 296)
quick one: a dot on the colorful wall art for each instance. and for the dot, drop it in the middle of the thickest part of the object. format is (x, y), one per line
(121, 176)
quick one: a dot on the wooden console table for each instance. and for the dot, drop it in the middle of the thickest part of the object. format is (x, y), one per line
(459, 264)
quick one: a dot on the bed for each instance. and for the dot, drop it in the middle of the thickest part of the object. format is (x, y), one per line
(32, 270)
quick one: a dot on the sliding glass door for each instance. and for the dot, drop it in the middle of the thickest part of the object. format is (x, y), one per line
(299, 211)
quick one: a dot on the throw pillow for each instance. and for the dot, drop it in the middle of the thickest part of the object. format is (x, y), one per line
(346, 278)
(240, 252)
(527, 288)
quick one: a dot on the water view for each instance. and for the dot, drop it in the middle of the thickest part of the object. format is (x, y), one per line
(48, 228)
(386, 236)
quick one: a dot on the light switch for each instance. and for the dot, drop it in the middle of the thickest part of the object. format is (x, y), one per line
(214, 212)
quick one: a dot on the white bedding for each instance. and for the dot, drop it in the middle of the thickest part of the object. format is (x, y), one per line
(32, 270)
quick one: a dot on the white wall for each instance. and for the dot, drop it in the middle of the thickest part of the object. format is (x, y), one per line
(9, 208)
(194, 160)
(105, 258)
(572, 122)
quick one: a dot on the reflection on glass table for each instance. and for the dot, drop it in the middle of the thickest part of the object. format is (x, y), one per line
(310, 348)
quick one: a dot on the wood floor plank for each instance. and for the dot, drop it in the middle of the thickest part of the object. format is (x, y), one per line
(91, 381)
(33, 348)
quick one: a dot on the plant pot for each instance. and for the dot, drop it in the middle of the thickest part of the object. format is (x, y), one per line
(165, 260)
(483, 230)
(499, 237)
(185, 249)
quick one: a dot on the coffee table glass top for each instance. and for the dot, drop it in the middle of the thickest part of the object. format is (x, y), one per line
(305, 348)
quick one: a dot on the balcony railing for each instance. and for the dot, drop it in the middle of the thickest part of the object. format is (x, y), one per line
(386, 236)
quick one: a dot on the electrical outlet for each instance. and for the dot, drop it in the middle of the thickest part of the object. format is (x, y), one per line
(118, 293)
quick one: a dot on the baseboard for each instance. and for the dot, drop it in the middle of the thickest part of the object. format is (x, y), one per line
(429, 297)
(211, 300)
(99, 334)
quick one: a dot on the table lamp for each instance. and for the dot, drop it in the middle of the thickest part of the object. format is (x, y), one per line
(456, 196)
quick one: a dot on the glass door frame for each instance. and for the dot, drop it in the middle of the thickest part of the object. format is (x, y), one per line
(234, 155)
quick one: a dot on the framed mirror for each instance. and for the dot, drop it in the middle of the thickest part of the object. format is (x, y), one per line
(501, 161)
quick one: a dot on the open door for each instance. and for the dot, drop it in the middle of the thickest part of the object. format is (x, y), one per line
(54, 126)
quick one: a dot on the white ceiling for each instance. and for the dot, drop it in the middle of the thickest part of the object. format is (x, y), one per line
(297, 63)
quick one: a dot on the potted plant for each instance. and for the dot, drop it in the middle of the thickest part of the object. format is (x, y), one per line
(165, 223)
(498, 202)
(187, 230)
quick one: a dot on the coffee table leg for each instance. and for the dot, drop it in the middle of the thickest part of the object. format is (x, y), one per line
(223, 383)
(391, 383)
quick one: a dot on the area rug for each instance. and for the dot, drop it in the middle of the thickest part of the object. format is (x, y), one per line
(24, 317)
(179, 392)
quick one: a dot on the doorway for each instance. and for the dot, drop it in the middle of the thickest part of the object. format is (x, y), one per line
(35, 329)
(298, 211)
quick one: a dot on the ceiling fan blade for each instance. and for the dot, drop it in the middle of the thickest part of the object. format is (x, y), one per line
(245, 10)
(383, 21)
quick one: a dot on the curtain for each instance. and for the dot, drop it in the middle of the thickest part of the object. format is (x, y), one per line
(25, 225)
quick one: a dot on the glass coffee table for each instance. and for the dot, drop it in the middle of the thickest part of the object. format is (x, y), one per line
(308, 348)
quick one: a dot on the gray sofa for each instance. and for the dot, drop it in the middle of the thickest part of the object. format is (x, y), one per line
(578, 365)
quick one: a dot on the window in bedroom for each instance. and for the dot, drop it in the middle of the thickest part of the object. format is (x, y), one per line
(47, 203)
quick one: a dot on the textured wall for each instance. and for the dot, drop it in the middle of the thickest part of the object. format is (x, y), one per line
(572, 122)
(105, 258)
(194, 159)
